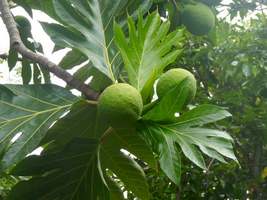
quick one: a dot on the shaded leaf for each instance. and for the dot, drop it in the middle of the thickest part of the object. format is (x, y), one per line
(123, 166)
(174, 101)
(72, 59)
(114, 189)
(37, 77)
(98, 80)
(165, 147)
(80, 122)
(135, 144)
(26, 71)
(42, 5)
(68, 174)
(28, 111)
(12, 59)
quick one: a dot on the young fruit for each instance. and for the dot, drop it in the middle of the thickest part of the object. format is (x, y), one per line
(198, 18)
(174, 77)
(23, 24)
(120, 105)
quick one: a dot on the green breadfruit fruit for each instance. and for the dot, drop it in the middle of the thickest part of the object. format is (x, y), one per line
(24, 27)
(174, 77)
(120, 105)
(198, 18)
(23, 22)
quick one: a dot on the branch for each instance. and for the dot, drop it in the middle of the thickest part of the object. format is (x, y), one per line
(17, 44)
(3, 56)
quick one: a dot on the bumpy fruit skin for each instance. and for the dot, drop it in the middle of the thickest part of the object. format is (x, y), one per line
(120, 105)
(174, 77)
(198, 18)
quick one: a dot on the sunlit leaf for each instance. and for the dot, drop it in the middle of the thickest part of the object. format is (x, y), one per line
(87, 26)
(147, 50)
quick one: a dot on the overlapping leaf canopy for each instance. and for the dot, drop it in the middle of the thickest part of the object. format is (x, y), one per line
(74, 164)
(187, 133)
(28, 112)
(148, 50)
(87, 27)
(77, 162)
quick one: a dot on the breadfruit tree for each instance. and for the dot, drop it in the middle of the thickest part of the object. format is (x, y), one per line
(98, 145)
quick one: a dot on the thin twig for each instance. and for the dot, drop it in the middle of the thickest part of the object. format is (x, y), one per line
(17, 44)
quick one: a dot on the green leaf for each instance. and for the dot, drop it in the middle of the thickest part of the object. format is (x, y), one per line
(123, 166)
(114, 189)
(84, 72)
(202, 115)
(69, 174)
(213, 143)
(46, 75)
(37, 78)
(87, 26)
(12, 59)
(98, 82)
(148, 50)
(80, 122)
(190, 151)
(165, 147)
(28, 111)
(43, 5)
(26, 71)
(191, 139)
(174, 101)
(131, 141)
(72, 59)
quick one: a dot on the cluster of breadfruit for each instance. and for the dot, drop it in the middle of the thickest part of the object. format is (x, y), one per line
(198, 18)
(121, 105)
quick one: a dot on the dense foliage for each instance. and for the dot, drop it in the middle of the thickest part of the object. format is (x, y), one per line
(176, 146)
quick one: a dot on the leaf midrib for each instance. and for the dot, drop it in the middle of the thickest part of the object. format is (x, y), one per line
(35, 114)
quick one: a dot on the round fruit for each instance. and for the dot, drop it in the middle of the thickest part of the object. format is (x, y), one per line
(120, 105)
(174, 77)
(23, 23)
(198, 18)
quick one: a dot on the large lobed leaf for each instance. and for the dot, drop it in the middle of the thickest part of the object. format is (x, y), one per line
(42, 5)
(165, 147)
(28, 111)
(74, 162)
(87, 27)
(79, 122)
(123, 166)
(68, 174)
(191, 138)
(147, 50)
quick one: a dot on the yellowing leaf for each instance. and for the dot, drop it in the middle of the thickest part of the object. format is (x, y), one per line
(264, 173)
